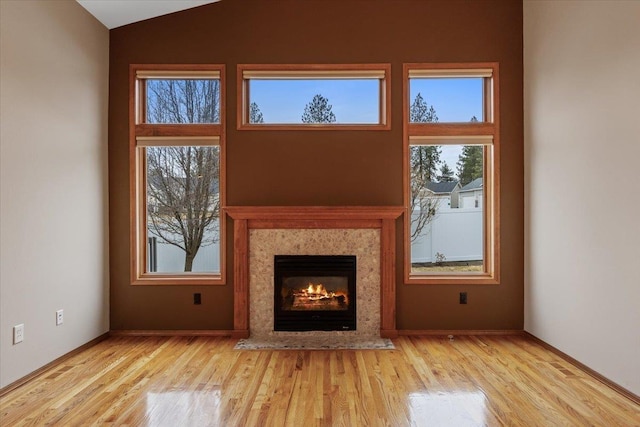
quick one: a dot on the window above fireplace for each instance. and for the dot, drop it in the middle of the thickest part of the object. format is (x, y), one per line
(314, 96)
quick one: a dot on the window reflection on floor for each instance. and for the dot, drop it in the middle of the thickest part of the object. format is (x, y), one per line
(460, 409)
(182, 408)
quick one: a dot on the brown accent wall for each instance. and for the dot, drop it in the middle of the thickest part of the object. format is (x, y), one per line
(324, 167)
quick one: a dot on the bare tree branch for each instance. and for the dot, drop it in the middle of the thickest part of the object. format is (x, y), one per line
(424, 161)
(183, 203)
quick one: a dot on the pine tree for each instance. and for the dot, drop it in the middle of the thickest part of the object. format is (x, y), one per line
(318, 111)
(470, 164)
(421, 112)
(255, 115)
(424, 158)
(446, 174)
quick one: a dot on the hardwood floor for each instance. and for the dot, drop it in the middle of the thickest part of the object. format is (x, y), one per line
(430, 381)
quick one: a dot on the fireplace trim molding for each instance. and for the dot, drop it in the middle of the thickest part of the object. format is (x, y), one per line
(246, 218)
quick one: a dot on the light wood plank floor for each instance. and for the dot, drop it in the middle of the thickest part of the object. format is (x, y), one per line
(426, 381)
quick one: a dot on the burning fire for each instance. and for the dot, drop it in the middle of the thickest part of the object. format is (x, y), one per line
(318, 289)
(319, 292)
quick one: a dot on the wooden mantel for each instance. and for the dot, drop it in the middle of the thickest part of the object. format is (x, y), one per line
(246, 218)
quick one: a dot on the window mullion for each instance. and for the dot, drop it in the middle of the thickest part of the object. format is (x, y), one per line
(450, 129)
(187, 130)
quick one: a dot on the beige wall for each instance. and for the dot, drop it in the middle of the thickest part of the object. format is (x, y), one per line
(53, 229)
(582, 150)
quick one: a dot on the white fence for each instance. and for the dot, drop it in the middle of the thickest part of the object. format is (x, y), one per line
(455, 233)
(170, 258)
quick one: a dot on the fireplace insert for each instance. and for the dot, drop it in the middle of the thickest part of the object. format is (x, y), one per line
(314, 293)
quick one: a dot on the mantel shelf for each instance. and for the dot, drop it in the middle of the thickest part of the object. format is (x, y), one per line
(314, 212)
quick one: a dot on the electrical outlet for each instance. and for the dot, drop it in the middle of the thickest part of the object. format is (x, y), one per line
(18, 333)
(463, 297)
(59, 317)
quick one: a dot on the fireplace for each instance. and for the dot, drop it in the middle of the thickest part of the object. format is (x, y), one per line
(261, 232)
(314, 293)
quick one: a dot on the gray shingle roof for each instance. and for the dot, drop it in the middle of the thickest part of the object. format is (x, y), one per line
(476, 184)
(442, 187)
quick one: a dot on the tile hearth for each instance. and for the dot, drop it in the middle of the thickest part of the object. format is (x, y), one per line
(318, 341)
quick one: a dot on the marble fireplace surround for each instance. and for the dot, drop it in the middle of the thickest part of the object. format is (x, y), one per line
(254, 227)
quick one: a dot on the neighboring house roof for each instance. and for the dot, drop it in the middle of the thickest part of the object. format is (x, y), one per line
(476, 184)
(442, 187)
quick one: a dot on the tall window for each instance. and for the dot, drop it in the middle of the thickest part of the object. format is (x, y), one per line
(345, 96)
(177, 190)
(451, 131)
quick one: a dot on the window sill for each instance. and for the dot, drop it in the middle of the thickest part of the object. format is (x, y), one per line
(179, 280)
(313, 127)
(433, 279)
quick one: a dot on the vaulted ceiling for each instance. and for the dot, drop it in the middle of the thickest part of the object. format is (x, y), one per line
(115, 13)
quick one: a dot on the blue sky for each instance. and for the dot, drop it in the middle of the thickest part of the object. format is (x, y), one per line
(283, 101)
(455, 100)
(355, 101)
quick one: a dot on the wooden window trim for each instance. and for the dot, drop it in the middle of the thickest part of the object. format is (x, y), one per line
(145, 129)
(456, 133)
(196, 134)
(324, 71)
